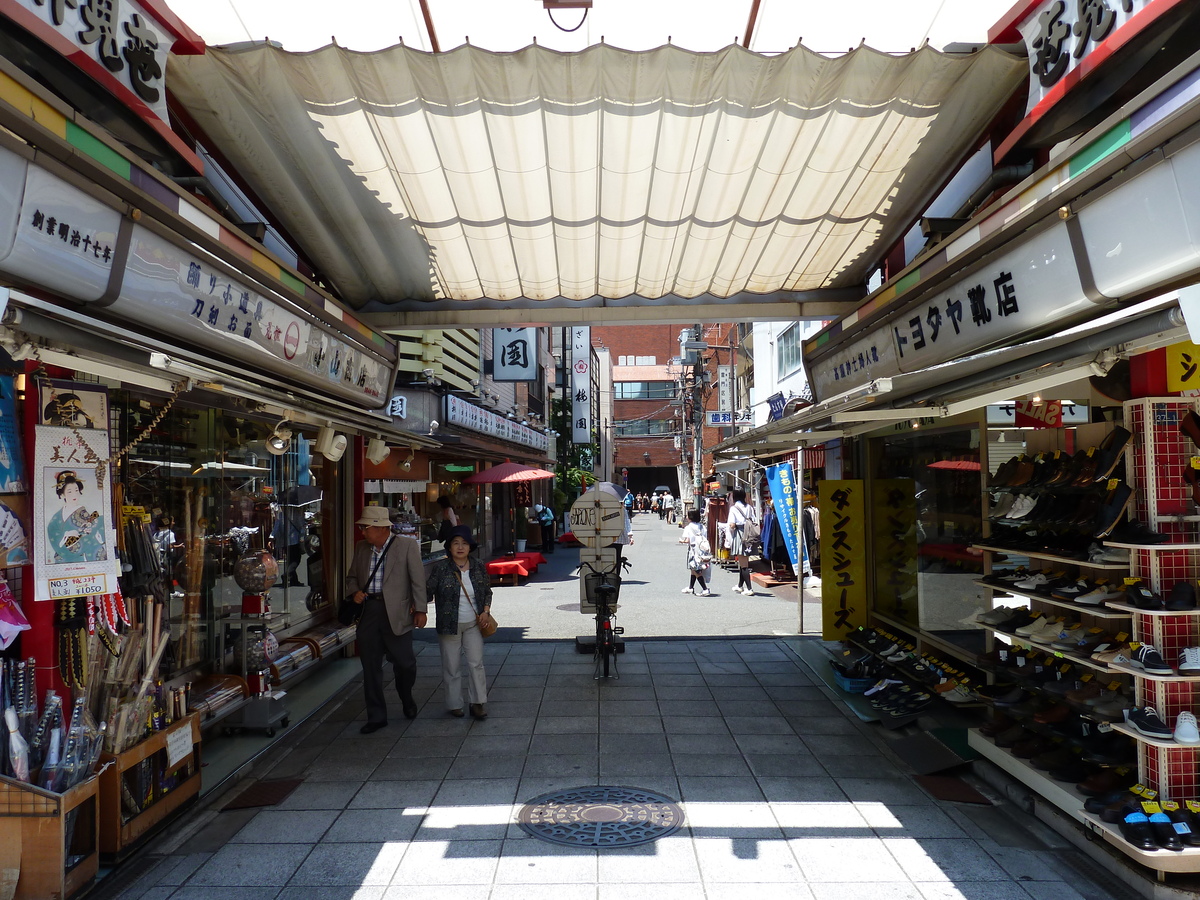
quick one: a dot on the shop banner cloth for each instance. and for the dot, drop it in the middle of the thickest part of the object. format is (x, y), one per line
(781, 480)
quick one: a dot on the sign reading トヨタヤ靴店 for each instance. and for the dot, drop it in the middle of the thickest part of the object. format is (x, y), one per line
(581, 385)
(843, 558)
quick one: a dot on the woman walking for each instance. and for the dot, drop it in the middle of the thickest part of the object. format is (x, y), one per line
(461, 592)
(699, 555)
(739, 514)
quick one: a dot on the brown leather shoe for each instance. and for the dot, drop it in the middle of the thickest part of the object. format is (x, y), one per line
(457, 713)
(478, 711)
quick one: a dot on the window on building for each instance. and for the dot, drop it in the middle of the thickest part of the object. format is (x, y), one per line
(644, 390)
(787, 352)
(642, 427)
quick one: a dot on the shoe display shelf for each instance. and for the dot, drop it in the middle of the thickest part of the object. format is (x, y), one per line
(903, 674)
(1062, 795)
(1161, 861)
(1053, 557)
(1160, 452)
(1066, 656)
(1104, 611)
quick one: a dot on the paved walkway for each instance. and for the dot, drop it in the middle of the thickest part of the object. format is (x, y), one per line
(785, 795)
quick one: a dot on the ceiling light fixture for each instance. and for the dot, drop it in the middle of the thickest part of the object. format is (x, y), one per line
(280, 439)
(378, 450)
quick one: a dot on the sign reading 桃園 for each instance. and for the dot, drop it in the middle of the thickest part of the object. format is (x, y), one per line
(843, 557)
(581, 385)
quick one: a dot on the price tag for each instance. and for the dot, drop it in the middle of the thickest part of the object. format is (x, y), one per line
(1091, 451)
(1139, 789)
(1193, 805)
(1194, 462)
(179, 744)
(1104, 727)
(1150, 807)
(1113, 686)
(1130, 581)
(1058, 454)
(1084, 678)
(1112, 484)
(1122, 637)
(1065, 668)
(1169, 806)
(1021, 660)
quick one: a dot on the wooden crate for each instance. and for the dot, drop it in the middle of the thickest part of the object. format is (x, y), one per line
(33, 825)
(121, 828)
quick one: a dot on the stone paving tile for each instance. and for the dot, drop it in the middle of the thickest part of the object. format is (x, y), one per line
(198, 892)
(802, 789)
(820, 820)
(667, 860)
(682, 693)
(804, 725)
(504, 766)
(541, 744)
(1042, 890)
(569, 708)
(395, 794)
(702, 743)
(412, 768)
(839, 745)
(746, 860)
(874, 890)
(345, 768)
(433, 892)
(771, 743)
(850, 766)
(935, 859)
(689, 678)
(567, 725)
(504, 682)
(1024, 865)
(894, 820)
(634, 768)
(175, 870)
(351, 864)
(631, 708)
(784, 764)
(631, 724)
(333, 892)
(240, 865)
(844, 859)
(984, 890)
(442, 747)
(476, 793)
(506, 724)
(466, 823)
(321, 795)
(515, 709)
(527, 860)
(651, 891)
(759, 890)
(900, 791)
(722, 789)
(581, 765)
(617, 742)
(482, 742)
(710, 764)
(758, 725)
(353, 825)
(286, 827)
(701, 723)
(764, 708)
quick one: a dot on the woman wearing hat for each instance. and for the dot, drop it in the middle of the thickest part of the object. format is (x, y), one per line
(461, 592)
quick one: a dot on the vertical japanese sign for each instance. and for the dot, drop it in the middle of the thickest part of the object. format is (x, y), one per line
(844, 558)
(1183, 367)
(894, 503)
(514, 354)
(72, 520)
(776, 403)
(581, 385)
(725, 387)
(781, 479)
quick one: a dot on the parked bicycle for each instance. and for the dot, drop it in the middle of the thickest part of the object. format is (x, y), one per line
(603, 587)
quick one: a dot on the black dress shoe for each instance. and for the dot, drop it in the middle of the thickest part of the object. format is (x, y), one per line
(1182, 596)
(372, 727)
(457, 713)
(410, 710)
(1135, 828)
(1164, 832)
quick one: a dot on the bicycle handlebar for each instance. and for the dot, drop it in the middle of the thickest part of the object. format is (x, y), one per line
(603, 573)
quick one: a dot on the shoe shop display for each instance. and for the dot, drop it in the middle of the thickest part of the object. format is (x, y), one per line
(1186, 731)
(1136, 533)
(1088, 692)
(1147, 658)
(1135, 828)
(994, 616)
(1142, 597)
(1100, 594)
(998, 723)
(1164, 832)
(1039, 622)
(1109, 653)
(1108, 454)
(1182, 597)
(1189, 426)
(1053, 715)
(1146, 721)
(1187, 826)
(1189, 661)
(1054, 759)
(1115, 504)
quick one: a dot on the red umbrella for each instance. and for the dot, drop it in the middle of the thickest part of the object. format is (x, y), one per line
(507, 473)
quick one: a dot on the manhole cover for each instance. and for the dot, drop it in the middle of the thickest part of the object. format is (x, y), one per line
(603, 816)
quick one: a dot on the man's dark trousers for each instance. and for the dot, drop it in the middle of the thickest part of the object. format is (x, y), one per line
(377, 642)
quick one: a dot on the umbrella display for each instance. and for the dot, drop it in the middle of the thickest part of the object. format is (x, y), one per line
(507, 473)
(662, 489)
(608, 487)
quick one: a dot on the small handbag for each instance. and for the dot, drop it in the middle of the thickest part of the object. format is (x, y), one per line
(350, 612)
(489, 625)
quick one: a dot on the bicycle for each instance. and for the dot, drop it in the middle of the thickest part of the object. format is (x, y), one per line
(605, 594)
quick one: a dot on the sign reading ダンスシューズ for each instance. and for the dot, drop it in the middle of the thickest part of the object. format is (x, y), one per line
(843, 558)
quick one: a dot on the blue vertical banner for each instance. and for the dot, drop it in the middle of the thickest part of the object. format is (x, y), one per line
(781, 481)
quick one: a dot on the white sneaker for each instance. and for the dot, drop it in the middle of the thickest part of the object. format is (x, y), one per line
(738, 589)
(1186, 731)
(749, 592)
(688, 591)
(705, 593)
(1189, 661)
(1033, 582)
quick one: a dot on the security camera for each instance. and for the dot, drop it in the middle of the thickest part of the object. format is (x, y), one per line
(427, 372)
(406, 465)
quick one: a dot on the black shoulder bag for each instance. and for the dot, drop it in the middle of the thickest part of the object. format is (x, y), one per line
(350, 612)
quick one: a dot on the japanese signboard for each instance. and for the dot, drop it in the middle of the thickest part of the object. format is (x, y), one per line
(474, 418)
(781, 480)
(72, 521)
(399, 407)
(1029, 286)
(1183, 367)
(843, 558)
(118, 35)
(514, 354)
(581, 385)
(721, 419)
(776, 403)
(1061, 34)
(725, 387)
(894, 504)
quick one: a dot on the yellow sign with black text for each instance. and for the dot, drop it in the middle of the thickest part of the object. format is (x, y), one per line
(1183, 367)
(843, 557)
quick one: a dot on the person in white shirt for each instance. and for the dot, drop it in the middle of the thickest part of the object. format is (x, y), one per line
(699, 556)
(739, 514)
(669, 504)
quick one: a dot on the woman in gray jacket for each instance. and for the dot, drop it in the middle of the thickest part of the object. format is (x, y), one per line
(461, 592)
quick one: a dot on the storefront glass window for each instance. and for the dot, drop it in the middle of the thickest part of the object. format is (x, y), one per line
(199, 493)
(926, 513)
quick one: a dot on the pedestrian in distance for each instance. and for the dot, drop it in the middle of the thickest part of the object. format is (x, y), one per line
(669, 506)
(741, 513)
(699, 555)
(461, 593)
(386, 583)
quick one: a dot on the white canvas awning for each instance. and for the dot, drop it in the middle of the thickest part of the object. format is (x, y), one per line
(420, 181)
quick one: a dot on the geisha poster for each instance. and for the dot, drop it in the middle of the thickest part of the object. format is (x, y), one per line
(73, 545)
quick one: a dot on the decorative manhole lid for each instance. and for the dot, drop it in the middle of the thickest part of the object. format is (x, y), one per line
(601, 816)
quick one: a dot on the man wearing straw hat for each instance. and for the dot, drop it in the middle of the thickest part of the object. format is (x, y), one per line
(387, 580)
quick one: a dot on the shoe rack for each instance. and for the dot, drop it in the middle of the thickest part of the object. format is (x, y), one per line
(1041, 669)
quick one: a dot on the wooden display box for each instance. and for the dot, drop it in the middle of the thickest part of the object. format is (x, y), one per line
(135, 792)
(33, 839)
